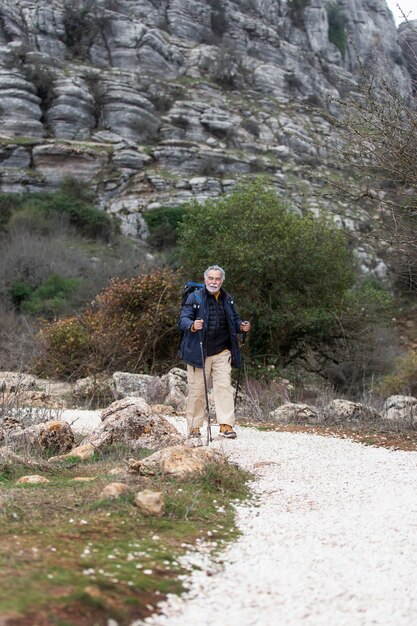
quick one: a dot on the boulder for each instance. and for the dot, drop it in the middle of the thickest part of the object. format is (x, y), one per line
(401, 408)
(114, 490)
(93, 388)
(52, 435)
(130, 421)
(176, 461)
(345, 411)
(150, 502)
(295, 412)
(143, 386)
(33, 479)
(175, 383)
(82, 452)
(169, 389)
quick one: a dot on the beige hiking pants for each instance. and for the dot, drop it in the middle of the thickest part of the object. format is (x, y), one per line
(219, 368)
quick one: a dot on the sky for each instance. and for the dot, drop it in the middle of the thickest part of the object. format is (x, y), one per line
(409, 8)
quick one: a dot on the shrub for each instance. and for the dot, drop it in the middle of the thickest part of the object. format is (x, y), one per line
(17, 347)
(290, 274)
(8, 203)
(82, 26)
(42, 77)
(251, 126)
(226, 69)
(74, 203)
(218, 17)
(50, 298)
(337, 27)
(163, 226)
(403, 380)
(19, 292)
(296, 8)
(64, 348)
(131, 325)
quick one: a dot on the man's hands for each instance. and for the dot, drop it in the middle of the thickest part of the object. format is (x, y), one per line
(198, 325)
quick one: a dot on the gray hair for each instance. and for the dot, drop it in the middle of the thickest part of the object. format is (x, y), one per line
(216, 268)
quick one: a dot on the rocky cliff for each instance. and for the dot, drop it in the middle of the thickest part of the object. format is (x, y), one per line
(154, 102)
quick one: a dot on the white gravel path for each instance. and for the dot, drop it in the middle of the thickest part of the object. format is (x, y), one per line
(332, 541)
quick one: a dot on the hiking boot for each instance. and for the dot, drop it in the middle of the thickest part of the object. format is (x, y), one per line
(227, 431)
(194, 433)
(195, 439)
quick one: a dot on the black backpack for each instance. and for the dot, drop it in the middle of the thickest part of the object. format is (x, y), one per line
(190, 287)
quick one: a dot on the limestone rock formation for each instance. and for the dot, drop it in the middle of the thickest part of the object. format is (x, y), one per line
(130, 421)
(153, 104)
(407, 32)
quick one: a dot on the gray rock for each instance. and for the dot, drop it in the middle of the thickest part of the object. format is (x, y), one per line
(71, 115)
(176, 386)
(14, 157)
(52, 435)
(295, 412)
(55, 162)
(214, 90)
(139, 386)
(344, 411)
(131, 159)
(400, 408)
(407, 35)
(150, 502)
(170, 389)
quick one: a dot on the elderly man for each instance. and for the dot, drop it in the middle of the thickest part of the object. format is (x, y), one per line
(209, 316)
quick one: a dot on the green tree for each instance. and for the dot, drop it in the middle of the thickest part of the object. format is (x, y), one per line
(290, 274)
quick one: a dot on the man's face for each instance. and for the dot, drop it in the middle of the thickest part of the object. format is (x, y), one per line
(213, 281)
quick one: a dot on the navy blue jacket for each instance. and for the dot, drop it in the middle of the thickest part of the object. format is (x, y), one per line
(197, 307)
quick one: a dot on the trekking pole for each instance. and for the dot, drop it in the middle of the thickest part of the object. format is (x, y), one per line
(240, 369)
(209, 437)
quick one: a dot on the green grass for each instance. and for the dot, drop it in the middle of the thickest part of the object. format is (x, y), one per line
(66, 552)
(20, 141)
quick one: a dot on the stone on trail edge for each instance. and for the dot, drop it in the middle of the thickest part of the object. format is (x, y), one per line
(330, 540)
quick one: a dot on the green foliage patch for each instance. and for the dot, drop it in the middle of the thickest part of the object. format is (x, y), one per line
(293, 276)
(163, 226)
(337, 27)
(286, 272)
(403, 378)
(49, 299)
(72, 202)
